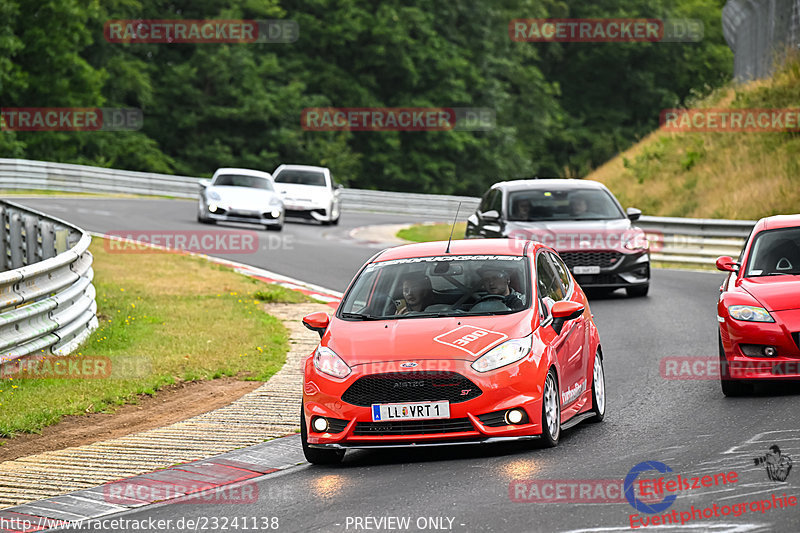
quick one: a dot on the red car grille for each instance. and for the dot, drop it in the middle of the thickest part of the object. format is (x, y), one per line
(395, 387)
(414, 427)
(601, 259)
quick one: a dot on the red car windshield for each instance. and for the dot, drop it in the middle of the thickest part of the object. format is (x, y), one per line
(439, 286)
(775, 252)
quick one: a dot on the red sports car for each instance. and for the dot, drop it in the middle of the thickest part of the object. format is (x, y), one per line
(473, 342)
(759, 307)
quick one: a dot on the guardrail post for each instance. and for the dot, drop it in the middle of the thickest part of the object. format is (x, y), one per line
(61, 240)
(4, 234)
(31, 239)
(48, 230)
(15, 243)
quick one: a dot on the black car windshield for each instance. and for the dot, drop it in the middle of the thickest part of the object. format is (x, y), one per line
(577, 204)
(243, 180)
(439, 286)
(774, 253)
(301, 177)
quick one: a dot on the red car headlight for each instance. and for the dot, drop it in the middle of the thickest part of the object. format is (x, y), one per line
(750, 313)
(505, 354)
(327, 362)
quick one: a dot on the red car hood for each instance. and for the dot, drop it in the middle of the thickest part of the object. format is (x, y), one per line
(417, 339)
(776, 293)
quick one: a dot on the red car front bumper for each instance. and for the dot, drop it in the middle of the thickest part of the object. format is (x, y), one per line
(783, 335)
(518, 385)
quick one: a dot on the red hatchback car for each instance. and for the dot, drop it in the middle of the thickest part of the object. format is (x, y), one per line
(474, 342)
(759, 307)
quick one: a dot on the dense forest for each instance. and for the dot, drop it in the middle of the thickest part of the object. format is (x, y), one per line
(561, 109)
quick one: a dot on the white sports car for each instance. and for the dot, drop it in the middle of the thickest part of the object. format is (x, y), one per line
(309, 192)
(240, 195)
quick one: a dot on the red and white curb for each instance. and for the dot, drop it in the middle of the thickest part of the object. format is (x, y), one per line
(230, 478)
(328, 296)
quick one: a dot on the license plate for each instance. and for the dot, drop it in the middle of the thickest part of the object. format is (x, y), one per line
(410, 411)
(586, 270)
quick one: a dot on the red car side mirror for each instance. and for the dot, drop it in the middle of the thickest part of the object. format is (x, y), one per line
(727, 264)
(564, 311)
(317, 322)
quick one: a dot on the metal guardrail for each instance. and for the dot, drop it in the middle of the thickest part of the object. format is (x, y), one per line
(433, 205)
(682, 240)
(694, 241)
(23, 174)
(47, 300)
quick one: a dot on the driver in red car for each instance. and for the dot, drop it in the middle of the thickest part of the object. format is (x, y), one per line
(497, 281)
(417, 294)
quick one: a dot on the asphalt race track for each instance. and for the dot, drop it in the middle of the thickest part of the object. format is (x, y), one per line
(686, 424)
(296, 251)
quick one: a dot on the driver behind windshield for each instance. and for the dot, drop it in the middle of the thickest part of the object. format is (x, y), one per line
(417, 293)
(522, 209)
(496, 281)
(578, 206)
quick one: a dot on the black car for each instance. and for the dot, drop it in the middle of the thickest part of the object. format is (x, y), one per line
(581, 219)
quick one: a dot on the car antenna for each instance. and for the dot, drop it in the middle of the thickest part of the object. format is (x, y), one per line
(453, 228)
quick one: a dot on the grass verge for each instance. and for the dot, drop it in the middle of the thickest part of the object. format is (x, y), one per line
(70, 194)
(432, 232)
(733, 175)
(164, 318)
